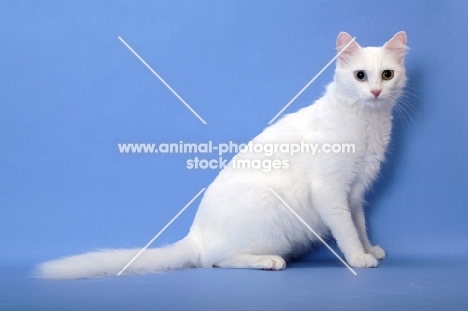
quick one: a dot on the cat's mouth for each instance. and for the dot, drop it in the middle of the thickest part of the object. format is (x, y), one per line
(372, 102)
(376, 96)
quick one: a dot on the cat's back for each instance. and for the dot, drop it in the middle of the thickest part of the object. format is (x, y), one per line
(327, 120)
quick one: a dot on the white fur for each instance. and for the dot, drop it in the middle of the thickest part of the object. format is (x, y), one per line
(241, 224)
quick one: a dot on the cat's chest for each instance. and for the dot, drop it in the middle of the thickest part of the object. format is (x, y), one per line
(370, 134)
(373, 142)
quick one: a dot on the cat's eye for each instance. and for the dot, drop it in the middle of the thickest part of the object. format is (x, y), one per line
(387, 75)
(360, 75)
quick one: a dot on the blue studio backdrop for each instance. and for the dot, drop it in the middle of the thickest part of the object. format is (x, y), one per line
(71, 91)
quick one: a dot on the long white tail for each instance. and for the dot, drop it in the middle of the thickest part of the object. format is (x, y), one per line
(183, 254)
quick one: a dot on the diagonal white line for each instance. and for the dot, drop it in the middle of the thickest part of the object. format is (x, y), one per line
(313, 231)
(162, 80)
(311, 81)
(160, 232)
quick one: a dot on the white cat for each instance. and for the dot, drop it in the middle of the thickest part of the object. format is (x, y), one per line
(241, 224)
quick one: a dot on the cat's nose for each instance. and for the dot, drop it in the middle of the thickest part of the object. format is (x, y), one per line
(376, 93)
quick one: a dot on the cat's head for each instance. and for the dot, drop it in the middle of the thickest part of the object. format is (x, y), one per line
(374, 77)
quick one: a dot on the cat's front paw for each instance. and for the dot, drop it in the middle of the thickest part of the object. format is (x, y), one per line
(377, 251)
(273, 263)
(363, 261)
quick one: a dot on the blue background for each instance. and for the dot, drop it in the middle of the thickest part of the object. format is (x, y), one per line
(71, 91)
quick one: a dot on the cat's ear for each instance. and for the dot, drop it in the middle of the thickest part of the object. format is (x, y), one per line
(343, 39)
(397, 46)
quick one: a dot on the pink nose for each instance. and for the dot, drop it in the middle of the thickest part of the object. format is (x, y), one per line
(376, 93)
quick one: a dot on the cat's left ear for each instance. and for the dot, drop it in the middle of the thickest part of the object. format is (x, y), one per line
(397, 46)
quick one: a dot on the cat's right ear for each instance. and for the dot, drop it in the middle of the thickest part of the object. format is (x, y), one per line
(343, 40)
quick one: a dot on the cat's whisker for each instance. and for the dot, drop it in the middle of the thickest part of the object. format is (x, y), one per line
(402, 115)
(404, 108)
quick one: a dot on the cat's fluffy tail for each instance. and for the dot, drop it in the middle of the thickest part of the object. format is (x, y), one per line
(183, 254)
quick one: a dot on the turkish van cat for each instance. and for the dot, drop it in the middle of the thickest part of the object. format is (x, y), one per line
(240, 223)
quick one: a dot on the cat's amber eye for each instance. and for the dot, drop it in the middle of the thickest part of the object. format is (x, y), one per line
(360, 75)
(387, 75)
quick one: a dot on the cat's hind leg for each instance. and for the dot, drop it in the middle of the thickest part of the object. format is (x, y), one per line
(247, 261)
